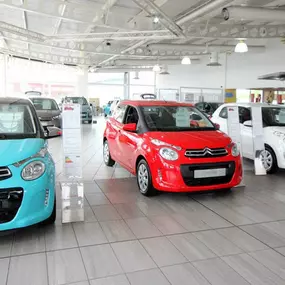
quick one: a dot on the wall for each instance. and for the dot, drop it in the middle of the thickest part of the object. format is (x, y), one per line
(242, 72)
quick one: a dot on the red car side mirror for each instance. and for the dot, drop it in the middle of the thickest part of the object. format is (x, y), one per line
(217, 126)
(130, 127)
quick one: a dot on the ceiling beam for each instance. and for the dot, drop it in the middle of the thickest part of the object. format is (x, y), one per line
(153, 10)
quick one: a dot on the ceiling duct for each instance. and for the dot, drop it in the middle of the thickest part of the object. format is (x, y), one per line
(214, 59)
(202, 10)
(254, 14)
(150, 62)
(200, 48)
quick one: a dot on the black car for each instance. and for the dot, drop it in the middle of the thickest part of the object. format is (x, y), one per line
(208, 107)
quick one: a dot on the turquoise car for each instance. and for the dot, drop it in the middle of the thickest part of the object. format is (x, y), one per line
(27, 170)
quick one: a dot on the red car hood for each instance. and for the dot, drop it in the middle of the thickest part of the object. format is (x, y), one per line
(192, 139)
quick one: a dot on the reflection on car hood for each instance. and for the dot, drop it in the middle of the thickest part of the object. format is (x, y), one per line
(193, 139)
(12, 151)
(47, 113)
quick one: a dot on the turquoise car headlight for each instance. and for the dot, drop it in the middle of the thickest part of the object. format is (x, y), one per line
(33, 170)
(168, 153)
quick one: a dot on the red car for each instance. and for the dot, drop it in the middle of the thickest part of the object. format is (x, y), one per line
(171, 146)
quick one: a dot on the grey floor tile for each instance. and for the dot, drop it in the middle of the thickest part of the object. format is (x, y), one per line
(113, 280)
(6, 245)
(143, 228)
(184, 274)
(217, 243)
(4, 265)
(217, 272)
(265, 235)
(28, 270)
(253, 271)
(152, 276)
(106, 213)
(124, 196)
(91, 188)
(89, 234)
(65, 266)
(272, 260)
(129, 211)
(100, 261)
(89, 215)
(242, 239)
(281, 250)
(167, 225)
(191, 247)
(80, 283)
(162, 251)
(97, 199)
(117, 231)
(29, 241)
(190, 222)
(60, 237)
(132, 256)
(152, 208)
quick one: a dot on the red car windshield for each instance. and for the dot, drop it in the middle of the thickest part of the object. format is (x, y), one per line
(175, 118)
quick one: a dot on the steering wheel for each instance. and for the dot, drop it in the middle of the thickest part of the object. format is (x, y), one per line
(148, 96)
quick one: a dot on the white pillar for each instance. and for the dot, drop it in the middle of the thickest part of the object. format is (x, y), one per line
(82, 83)
(3, 73)
(126, 85)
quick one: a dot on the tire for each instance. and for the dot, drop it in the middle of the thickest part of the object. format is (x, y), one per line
(105, 115)
(90, 122)
(106, 155)
(144, 179)
(271, 159)
(51, 219)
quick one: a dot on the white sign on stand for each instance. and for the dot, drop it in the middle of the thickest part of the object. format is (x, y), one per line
(72, 190)
(258, 140)
(234, 129)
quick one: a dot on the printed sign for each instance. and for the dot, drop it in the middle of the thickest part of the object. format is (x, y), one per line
(182, 117)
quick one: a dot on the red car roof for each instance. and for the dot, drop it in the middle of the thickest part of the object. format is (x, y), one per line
(155, 103)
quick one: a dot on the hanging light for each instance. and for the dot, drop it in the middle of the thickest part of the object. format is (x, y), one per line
(186, 60)
(155, 19)
(136, 75)
(164, 70)
(241, 47)
(156, 68)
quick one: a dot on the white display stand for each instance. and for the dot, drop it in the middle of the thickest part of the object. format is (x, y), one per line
(234, 130)
(258, 139)
(72, 190)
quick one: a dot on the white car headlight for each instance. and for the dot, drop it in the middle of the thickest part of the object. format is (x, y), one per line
(168, 153)
(33, 170)
(235, 150)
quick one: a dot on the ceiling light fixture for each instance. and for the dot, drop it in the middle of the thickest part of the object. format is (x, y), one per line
(155, 19)
(186, 60)
(241, 47)
(156, 68)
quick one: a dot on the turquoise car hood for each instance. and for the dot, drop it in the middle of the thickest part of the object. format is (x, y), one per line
(12, 151)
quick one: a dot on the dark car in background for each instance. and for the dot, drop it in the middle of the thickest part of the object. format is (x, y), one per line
(49, 114)
(86, 108)
(208, 108)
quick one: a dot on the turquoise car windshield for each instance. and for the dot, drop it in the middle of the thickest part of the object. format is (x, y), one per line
(16, 121)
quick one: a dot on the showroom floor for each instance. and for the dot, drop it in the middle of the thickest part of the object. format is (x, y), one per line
(177, 239)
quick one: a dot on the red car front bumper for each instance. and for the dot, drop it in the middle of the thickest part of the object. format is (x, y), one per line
(179, 176)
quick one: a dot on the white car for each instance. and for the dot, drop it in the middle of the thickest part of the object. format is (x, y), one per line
(274, 132)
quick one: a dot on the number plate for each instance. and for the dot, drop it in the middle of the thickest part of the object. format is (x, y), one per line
(205, 173)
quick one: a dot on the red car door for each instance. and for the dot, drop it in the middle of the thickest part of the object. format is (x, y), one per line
(128, 141)
(114, 127)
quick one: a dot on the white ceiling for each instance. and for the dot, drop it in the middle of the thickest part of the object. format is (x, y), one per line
(77, 31)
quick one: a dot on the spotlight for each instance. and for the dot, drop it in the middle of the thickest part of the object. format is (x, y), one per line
(241, 47)
(156, 68)
(155, 19)
(186, 60)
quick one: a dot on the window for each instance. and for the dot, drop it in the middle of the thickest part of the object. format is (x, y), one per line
(44, 104)
(200, 106)
(224, 113)
(16, 121)
(175, 118)
(119, 113)
(132, 116)
(244, 114)
(77, 100)
(273, 116)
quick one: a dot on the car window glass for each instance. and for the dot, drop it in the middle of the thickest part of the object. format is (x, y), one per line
(119, 113)
(224, 113)
(200, 106)
(244, 114)
(132, 116)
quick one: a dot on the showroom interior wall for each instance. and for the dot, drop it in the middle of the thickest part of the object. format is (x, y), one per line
(242, 70)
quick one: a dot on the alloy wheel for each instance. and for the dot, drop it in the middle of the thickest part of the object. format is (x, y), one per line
(143, 178)
(266, 159)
